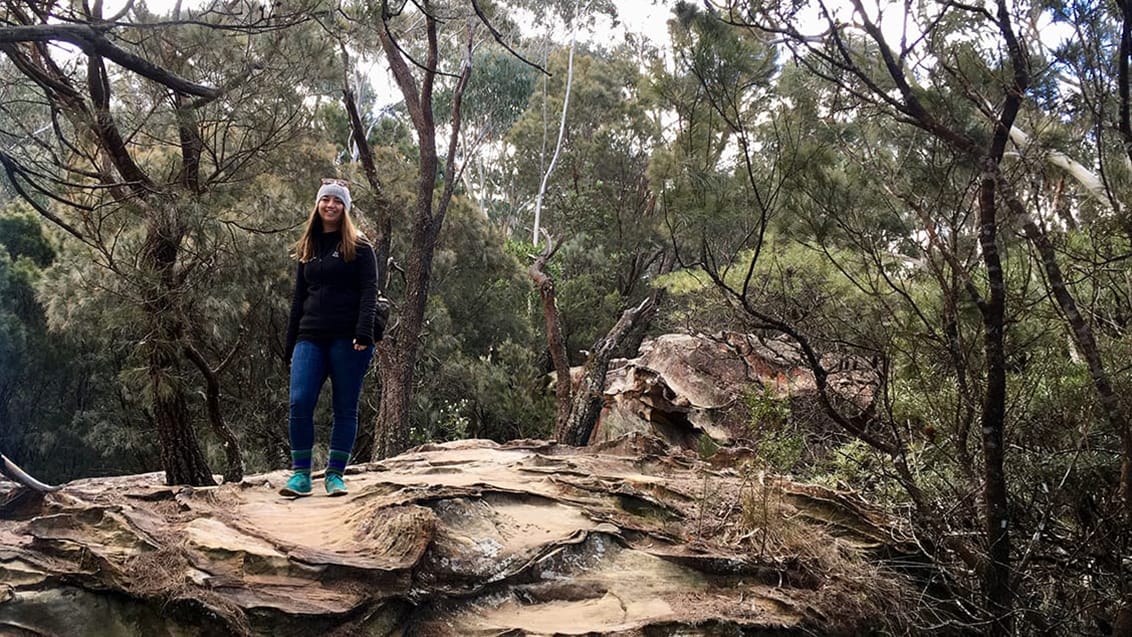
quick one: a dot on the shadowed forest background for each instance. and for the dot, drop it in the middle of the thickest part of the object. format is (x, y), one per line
(938, 192)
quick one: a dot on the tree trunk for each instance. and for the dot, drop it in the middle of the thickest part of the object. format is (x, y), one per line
(561, 134)
(13, 472)
(366, 445)
(1086, 344)
(234, 468)
(181, 455)
(995, 575)
(390, 438)
(392, 425)
(555, 343)
(588, 400)
(391, 430)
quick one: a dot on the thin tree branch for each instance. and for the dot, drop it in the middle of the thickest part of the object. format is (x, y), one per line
(499, 38)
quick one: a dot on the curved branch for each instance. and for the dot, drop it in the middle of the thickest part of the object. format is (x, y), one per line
(94, 42)
(12, 471)
(13, 170)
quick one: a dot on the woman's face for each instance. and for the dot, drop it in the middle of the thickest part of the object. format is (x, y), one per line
(330, 211)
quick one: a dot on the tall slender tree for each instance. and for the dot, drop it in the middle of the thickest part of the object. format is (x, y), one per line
(411, 39)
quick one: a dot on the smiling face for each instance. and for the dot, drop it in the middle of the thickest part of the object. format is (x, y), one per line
(330, 212)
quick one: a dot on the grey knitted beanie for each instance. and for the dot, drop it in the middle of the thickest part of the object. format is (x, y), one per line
(335, 190)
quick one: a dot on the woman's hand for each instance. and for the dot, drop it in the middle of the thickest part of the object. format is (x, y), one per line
(358, 347)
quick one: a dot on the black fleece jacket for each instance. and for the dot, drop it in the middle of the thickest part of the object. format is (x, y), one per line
(334, 298)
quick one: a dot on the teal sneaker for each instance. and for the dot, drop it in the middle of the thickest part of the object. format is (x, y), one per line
(335, 485)
(297, 486)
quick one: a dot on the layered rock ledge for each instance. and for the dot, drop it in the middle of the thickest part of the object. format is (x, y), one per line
(464, 538)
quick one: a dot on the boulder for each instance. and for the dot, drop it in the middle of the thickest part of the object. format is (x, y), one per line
(684, 386)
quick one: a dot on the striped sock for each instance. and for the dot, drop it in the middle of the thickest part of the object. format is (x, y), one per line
(301, 461)
(337, 462)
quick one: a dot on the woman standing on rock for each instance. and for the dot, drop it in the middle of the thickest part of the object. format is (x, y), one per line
(330, 333)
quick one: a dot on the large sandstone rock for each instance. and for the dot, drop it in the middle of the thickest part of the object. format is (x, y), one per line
(683, 386)
(466, 538)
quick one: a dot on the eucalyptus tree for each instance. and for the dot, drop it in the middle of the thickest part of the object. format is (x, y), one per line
(414, 38)
(416, 71)
(600, 218)
(732, 117)
(147, 132)
(976, 110)
(599, 197)
(1084, 123)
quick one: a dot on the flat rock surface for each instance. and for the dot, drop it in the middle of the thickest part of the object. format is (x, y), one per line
(464, 538)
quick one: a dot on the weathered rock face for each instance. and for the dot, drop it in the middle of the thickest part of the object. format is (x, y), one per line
(682, 386)
(467, 538)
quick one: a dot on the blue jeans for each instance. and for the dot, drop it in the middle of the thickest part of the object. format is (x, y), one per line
(311, 364)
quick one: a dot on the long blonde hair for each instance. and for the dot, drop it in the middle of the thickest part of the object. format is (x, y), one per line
(351, 236)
